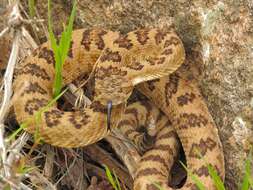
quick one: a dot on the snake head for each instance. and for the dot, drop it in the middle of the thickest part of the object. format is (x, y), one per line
(112, 84)
(112, 89)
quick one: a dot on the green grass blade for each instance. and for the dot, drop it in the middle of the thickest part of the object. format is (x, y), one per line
(25, 169)
(157, 186)
(194, 178)
(31, 5)
(37, 116)
(7, 187)
(50, 28)
(247, 178)
(110, 177)
(213, 173)
(57, 55)
(66, 38)
(58, 80)
(16, 132)
(117, 181)
(50, 103)
(248, 169)
(61, 50)
(215, 177)
(245, 183)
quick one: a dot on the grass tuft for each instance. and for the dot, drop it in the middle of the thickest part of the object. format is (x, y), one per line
(60, 54)
(60, 50)
(247, 181)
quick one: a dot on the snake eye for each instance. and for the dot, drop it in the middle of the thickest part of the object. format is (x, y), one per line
(109, 111)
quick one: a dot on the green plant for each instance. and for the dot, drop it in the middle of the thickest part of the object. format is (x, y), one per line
(60, 50)
(113, 179)
(247, 181)
(215, 177)
(60, 53)
(31, 5)
(157, 186)
(194, 178)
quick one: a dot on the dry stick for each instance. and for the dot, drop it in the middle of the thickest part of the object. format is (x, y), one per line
(49, 163)
(38, 178)
(16, 147)
(28, 38)
(4, 31)
(65, 173)
(8, 77)
(125, 150)
(8, 181)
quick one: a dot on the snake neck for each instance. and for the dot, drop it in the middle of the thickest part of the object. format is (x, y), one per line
(115, 114)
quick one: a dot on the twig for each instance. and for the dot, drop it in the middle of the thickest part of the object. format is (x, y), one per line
(4, 31)
(38, 178)
(8, 181)
(8, 77)
(16, 147)
(28, 38)
(125, 150)
(24, 187)
(8, 92)
(65, 173)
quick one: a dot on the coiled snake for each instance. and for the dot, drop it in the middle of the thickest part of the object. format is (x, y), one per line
(122, 63)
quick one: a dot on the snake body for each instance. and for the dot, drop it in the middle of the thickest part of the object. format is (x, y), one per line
(181, 100)
(119, 63)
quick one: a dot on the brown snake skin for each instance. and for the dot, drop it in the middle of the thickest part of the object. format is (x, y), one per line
(122, 62)
(156, 163)
(182, 102)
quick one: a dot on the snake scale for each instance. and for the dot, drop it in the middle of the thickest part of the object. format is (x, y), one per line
(146, 59)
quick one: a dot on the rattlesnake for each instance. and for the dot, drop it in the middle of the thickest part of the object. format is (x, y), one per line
(122, 63)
